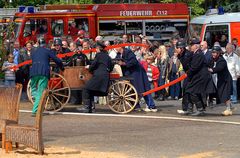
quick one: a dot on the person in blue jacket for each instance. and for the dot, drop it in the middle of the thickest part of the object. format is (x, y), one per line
(40, 71)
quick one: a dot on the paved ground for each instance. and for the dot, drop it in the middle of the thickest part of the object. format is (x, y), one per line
(164, 134)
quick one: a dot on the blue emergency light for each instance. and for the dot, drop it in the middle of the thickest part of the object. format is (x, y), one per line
(30, 9)
(21, 8)
(220, 10)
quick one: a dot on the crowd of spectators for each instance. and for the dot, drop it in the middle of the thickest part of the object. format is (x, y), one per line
(159, 59)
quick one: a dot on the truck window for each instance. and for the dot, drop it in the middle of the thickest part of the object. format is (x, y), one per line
(29, 28)
(38, 26)
(57, 27)
(42, 26)
(217, 33)
(74, 25)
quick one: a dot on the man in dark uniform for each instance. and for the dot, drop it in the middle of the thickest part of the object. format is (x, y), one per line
(98, 85)
(185, 58)
(132, 68)
(210, 88)
(198, 77)
(40, 71)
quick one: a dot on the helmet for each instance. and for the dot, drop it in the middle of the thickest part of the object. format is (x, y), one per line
(42, 42)
(216, 49)
(181, 44)
(57, 42)
(195, 41)
(99, 38)
(81, 32)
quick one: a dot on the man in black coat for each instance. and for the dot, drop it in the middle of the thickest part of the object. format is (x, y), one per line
(211, 87)
(132, 68)
(99, 83)
(198, 78)
(185, 58)
(224, 80)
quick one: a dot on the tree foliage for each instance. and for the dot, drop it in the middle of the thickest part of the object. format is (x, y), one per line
(198, 7)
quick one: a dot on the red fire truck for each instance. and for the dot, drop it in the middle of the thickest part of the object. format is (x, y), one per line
(156, 21)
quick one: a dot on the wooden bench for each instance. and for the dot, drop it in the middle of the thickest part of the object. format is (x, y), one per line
(9, 107)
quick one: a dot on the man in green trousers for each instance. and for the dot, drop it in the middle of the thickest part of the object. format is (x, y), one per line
(40, 71)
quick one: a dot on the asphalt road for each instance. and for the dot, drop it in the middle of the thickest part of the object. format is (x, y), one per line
(164, 134)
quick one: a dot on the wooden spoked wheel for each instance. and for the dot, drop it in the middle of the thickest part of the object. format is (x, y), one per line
(59, 92)
(122, 97)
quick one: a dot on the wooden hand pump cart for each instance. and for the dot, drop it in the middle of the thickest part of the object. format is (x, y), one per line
(122, 96)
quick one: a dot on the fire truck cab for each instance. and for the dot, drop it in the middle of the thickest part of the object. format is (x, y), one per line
(52, 24)
(156, 21)
(214, 25)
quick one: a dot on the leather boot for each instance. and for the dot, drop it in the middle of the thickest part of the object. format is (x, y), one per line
(190, 108)
(93, 106)
(200, 109)
(87, 108)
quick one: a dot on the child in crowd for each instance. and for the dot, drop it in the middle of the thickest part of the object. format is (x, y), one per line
(7, 67)
(151, 70)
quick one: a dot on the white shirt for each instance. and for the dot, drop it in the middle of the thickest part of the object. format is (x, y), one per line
(205, 51)
(113, 54)
(233, 64)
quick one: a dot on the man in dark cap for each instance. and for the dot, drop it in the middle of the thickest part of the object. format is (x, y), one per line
(40, 71)
(224, 80)
(185, 58)
(198, 77)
